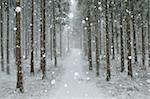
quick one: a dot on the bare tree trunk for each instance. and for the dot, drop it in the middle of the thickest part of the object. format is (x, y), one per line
(43, 46)
(54, 35)
(2, 52)
(143, 43)
(60, 39)
(149, 33)
(108, 75)
(121, 39)
(96, 38)
(127, 19)
(32, 41)
(134, 33)
(8, 63)
(112, 29)
(89, 38)
(18, 48)
(41, 34)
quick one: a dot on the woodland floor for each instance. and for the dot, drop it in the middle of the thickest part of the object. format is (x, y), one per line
(72, 80)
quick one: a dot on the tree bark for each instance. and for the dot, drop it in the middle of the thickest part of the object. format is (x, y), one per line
(18, 48)
(89, 38)
(2, 51)
(54, 35)
(32, 41)
(8, 63)
(127, 19)
(121, 39)
(108, 75)
(96, 38)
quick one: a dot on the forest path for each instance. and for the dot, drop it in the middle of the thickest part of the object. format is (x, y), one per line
(75, 82)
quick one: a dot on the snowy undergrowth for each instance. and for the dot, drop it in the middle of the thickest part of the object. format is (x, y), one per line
(34, 86)
(121, 86)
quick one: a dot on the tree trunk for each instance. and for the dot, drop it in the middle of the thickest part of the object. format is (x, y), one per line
(121, 39)
(32, 41)
(2, 52)
(89, 38)
(134, 33)
(18, 48)
(127, 19)
(8, 63)
(43, 54)
(96, 38)
(54, 35)
(143, 43)
(149, 33)
(108, 75)
(112, 29)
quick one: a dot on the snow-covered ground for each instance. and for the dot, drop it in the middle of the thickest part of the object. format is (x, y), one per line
(72, 80)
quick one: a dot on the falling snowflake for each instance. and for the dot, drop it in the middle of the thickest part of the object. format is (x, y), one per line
(88, 78)
(18, 9)
(45, 91)
(15, 29)
(65, 85)
(53, 81)
(129, 57)
(87, 73)
(76, 74)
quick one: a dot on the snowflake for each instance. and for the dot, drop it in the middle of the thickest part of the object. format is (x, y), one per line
(65, 85)
(129, 57)
(15, 29)
(18, 9)
(53, 81)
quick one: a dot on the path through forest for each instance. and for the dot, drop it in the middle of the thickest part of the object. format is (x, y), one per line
(75, 82)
